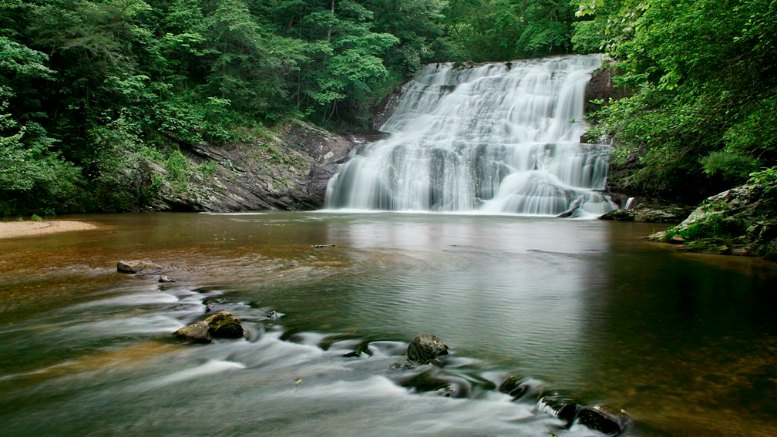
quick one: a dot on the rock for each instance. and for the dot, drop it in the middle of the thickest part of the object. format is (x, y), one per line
(219, 325)
(425, 348)
(287, 170)
(739, 221)
(138, 266)
(224, 325)
(273, 315)
(601, 419)
(649, 212)
(442, 385)
(197, 332)
(619, 215)
(518, 387)
(166, 279)
(601, 86)
(559, 407)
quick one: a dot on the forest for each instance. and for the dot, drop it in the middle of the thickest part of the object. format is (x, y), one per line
(91, 88)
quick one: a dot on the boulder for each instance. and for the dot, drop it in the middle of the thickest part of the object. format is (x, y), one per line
(738, 221)
(559, 407)
(219, 325)
(166, 279)
(138, 266)
(601, 419)
(425, 348)
(224, 325)
(197, 332)
(649, 212)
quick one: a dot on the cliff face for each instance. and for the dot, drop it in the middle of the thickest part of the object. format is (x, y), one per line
(601, 87)
(288, 171)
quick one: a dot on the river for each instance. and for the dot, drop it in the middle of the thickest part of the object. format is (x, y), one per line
(686, 344)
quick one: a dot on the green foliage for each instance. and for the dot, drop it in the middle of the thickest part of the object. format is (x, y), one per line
(766, 178)
(731, 166)
(705, 110)
(494, 30)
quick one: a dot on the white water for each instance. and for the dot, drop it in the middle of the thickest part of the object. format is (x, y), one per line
(496, 138)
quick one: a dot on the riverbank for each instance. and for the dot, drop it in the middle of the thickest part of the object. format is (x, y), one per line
(29, 229)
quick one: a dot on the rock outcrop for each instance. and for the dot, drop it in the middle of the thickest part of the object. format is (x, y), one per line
(649, 212)
(739, 221)
(285, 171)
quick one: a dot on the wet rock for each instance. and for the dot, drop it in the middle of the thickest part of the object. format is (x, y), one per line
(273, 315)
(197, 332)
(433, 381)
(619, 215)
(224, 325)
(601, 419)
(166, 279)
(519, 387)
(219, 325)
(559, 407)
(138, 266)
(649, 212)
(426, 348)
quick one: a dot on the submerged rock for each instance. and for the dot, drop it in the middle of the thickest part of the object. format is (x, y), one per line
(433, 381)
(219, 325)
(425, 348)
(519, 387)
(138, 266)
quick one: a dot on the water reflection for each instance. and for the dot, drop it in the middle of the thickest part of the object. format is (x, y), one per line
(683, 343)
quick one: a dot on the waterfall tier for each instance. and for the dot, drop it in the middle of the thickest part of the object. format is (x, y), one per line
(497, 138)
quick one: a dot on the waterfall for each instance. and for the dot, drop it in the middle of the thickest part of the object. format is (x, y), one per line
(496, 138)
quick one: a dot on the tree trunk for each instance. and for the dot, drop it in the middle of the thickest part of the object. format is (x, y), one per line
(329, 32)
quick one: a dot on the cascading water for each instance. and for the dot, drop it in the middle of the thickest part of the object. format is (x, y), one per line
(496, 138)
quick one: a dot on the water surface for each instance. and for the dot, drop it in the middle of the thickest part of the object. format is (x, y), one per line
(684, 343)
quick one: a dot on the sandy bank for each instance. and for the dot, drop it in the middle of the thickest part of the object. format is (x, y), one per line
(24, 229)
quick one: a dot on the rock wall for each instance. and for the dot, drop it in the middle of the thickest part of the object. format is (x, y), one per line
(602, 86)
(288, 171)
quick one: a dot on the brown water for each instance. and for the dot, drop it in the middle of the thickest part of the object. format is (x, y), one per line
(685, 343)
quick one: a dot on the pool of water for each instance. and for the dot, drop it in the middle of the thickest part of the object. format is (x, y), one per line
(684, 343)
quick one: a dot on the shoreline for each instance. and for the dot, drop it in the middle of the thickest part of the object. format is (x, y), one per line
(31, 229)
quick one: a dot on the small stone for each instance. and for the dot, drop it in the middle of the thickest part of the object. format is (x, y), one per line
(166, 279)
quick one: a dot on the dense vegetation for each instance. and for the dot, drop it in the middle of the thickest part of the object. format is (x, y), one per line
(704, 111)
(92, 91)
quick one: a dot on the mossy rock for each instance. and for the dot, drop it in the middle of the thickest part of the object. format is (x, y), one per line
(224, 325)
(197, 332)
